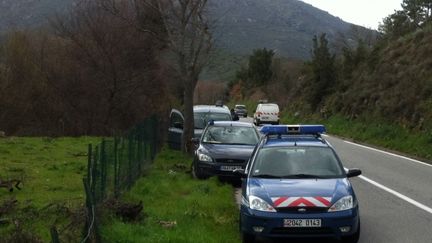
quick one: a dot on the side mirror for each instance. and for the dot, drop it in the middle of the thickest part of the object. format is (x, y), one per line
(178, 125)
(195, 141)
(240, 172)
(353, 173)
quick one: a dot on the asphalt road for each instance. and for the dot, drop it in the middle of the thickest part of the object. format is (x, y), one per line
(394, 193)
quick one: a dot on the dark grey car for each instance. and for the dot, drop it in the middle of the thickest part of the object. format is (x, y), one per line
(240, 110)
(224, 147)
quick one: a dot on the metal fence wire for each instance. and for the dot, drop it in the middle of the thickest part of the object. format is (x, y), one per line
(113, 167)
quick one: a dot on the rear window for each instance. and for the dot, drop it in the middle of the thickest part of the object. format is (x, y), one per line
(202, 118)
(240, 107)
(268, 107)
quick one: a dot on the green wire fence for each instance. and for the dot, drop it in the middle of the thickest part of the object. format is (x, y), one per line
(113, 167)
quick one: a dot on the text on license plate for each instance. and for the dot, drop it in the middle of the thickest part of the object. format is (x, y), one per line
(302, 222)
(230, 167)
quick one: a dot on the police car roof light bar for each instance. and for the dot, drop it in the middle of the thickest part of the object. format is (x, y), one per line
(293, 129)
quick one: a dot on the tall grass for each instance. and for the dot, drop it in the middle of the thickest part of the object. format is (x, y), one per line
(203, 211)
(52, 192)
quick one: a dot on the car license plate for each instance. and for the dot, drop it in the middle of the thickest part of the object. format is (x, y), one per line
(302, 222)
(264, 117)
(230, 167)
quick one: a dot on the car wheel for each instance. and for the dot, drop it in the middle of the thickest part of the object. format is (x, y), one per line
(197, 173)
(257, 122)
(352, 238)
(244, 115)
(247, 238)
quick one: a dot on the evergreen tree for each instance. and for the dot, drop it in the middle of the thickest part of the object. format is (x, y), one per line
(323, 72)
(418, 11)
(259, 71)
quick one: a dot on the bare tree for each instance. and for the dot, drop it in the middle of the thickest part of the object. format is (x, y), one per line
(187, 29)
(116, 62)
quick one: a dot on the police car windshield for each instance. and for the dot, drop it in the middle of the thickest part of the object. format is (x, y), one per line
(231, 135)
(202, 118)
(297, 163)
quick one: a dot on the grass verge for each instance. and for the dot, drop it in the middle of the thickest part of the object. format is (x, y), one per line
(52, 192)
(373, 131)
(177, 208)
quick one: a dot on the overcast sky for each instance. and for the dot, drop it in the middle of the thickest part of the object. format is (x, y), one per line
(367, 13)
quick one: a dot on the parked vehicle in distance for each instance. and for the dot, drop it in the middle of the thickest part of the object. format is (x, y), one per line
(266, 113)
(224, 147)
(202, 115)
(295, 186)
(240, 110)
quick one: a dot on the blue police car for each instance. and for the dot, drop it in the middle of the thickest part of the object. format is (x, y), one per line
(295, 186)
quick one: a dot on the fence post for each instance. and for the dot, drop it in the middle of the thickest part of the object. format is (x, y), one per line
(116, 171)
(89, 162)
(54, 235)
(139, 150)
(129, 175)
(94, 173)
(103, 169)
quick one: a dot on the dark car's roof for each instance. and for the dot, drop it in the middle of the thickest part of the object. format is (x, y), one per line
(211, 108)
(233, 123)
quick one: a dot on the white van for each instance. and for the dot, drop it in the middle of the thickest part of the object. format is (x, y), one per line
(266, 113)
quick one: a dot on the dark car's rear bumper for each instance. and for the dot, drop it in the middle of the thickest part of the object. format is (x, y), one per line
(241, 113)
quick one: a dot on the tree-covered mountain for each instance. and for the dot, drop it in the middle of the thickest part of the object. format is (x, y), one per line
(240, 26)
(286, 26)
(18, 14)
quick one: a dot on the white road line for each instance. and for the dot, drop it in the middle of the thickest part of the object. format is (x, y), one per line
(397, 194)
(391, 191)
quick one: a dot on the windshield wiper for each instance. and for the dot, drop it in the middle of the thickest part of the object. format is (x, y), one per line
(238, 144)
(301, 176)
(267, 176)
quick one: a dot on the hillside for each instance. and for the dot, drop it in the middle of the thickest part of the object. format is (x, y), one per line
(395, 81)
(287, 26)
(240, 25)
(17, 14)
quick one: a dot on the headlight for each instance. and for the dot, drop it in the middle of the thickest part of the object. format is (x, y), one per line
(344, 203)
(257, 203)
(204, 157)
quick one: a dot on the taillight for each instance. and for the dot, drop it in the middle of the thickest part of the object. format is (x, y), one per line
(259, 113)
(278, 114)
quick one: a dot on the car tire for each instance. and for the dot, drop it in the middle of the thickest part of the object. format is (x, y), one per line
(257, 123)
(197, 173)
(247, 238)
(352, 238)
(244, 115)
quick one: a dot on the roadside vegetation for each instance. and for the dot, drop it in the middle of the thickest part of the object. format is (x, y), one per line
(51, 172)
(378, 90)
(176, 207)
(374, 132)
